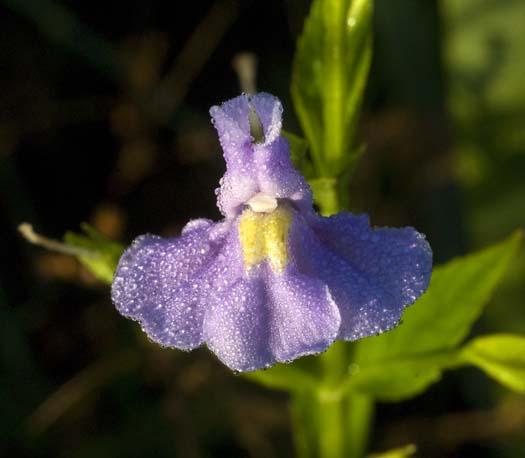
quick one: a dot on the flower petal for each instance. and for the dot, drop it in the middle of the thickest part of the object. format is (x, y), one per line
(236, 325)
(256, 167)
(277, 176)
(231, 121)
(163, 283)
(399, 258)
(305, 319)
(237, 187)
(371, 284)
(266, 318)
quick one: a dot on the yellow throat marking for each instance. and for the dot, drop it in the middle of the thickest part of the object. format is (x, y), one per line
(265, 236)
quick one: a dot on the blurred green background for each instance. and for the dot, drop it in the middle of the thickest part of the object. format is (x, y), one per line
(104, 119)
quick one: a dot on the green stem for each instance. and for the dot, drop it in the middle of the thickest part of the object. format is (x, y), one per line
(329, 423)
(326, 195)
(331, 194)
(360, 410)
(334, 87)
(304, 423)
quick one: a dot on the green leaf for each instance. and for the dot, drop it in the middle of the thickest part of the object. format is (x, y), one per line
(403, 452)
(102, 255)
(402, 362)
(401, 378)
(501, 356)
(286, 377)
(329, 74)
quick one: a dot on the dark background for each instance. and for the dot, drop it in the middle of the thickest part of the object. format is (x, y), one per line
(104, 118)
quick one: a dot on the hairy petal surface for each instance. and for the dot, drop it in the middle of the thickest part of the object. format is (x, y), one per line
(305, 318)
(399, 258)
(236, 325)
(231, 121)
(269, 317)
(163, 284)
(362, 290)
(237, 186)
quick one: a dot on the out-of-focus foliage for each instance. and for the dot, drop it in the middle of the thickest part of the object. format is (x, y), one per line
(500, 356)
(483, 51)
(403, 452)
(483, 43)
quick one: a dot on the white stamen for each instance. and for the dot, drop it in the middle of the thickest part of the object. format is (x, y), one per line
(262, 203)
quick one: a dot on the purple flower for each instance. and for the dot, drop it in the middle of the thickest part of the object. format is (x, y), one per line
(273, 281)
